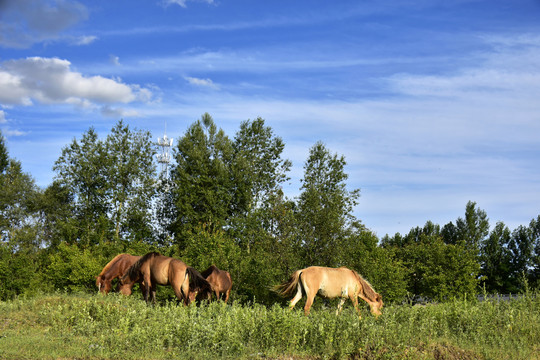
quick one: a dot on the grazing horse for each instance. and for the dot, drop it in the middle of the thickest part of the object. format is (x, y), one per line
(330, 283)
(116, 268)
(154, 268)
(220, 280)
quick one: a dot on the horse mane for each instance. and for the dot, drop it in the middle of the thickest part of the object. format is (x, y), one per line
(197, 281)
(134, 270)
(110, 264)
(367, 288)
(209, 271)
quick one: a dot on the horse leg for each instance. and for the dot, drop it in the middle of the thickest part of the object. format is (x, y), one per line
(309, 302)
(153, 293)
(184, 288)
(354, 300)
(227, 295)
(340, 305)
(297, 297)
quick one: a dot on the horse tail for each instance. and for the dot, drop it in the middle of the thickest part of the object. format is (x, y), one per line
(197, 281)
(289, 286)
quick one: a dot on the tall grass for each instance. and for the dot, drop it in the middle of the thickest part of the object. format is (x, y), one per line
(116, 327)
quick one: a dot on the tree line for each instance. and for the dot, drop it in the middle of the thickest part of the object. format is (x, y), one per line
(223, 203)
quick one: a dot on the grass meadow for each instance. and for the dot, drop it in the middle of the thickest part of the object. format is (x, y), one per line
(87, 326)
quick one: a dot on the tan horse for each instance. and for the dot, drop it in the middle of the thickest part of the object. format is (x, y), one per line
(331, 283)
(116, 268)
(154, 268)
(220, 280)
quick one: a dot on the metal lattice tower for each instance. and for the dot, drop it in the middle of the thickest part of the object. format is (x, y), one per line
(164, 158)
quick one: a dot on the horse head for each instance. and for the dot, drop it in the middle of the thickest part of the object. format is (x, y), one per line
(103, 285)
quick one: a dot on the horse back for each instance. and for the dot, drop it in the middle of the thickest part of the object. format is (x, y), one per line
(330, 282)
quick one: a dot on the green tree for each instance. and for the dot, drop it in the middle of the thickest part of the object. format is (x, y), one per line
(82, 168)
(131, 176)
(440, 271)
(474, 228)
(259, 172)
(110, 183)
(261, 150)
(496, 260)
(325, 205)
(204, 188)
(19, 240)
(535, 258)
(55, 207)
(521, 247)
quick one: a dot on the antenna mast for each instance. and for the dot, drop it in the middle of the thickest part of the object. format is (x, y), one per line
(164, 158)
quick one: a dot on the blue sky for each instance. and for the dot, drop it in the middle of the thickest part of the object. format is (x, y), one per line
(432, 103)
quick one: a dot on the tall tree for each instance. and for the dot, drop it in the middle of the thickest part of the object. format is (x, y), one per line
(325, 205)
(521, 247)
(204, 187)
(261, 150)
(474, 228)
(535, 258)
(19, 241)
(82, 168)
(111, 183)
(495, 260)
(18, 195)
(131, 176)
(260, 173)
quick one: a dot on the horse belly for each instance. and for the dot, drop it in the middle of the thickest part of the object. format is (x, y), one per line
(329, 290)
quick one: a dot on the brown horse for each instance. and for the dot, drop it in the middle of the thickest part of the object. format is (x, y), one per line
(154, 268)
(220, 280)
(330, 282)
(116, 268)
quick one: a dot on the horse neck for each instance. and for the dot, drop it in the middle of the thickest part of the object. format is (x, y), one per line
(212, 269)
(367, 290)
(111, 265)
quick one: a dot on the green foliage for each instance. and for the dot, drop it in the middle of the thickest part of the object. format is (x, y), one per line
(117, 327)
(325, 205)
(111, 185)
(73, 269)
(204, 248)
(441, 271)
(203, 188)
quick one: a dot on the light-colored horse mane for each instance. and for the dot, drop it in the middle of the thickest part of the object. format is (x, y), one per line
(367, 288)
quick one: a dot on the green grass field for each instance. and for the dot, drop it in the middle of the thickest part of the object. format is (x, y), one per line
(117, 327)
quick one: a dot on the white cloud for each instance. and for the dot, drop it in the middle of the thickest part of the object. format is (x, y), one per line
(182, 3)
(115, 60)
(31, 21)
(201, 82)
(85, 40)
(52, 81)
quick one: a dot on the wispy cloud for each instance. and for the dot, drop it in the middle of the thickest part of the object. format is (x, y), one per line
(84, 40)
(205, 83)
(183, 3)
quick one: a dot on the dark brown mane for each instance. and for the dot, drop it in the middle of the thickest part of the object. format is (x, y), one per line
(197, 281)
(209, 271)
(134, 271)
